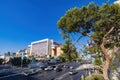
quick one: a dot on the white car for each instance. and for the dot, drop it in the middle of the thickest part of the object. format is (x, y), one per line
(72, 72)
(26, 73)
(71, 67)
(31, 72)
(49, 68)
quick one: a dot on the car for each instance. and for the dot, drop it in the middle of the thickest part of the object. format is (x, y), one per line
(71, 67)
(31, 72)
(43, 66)
(26, 73)
(59, 61)
(52, 62)
(58, 66)
(66, 66)
(58, 69)
(49, 68)
(32, 65)
(53, 66)
(61, 65)
(71, 72)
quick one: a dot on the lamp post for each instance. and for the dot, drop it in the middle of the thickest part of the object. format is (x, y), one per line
(21, 60)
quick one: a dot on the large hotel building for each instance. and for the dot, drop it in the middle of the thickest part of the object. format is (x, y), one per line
(44, 48)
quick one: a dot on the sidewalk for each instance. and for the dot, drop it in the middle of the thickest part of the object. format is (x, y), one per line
(85, 66)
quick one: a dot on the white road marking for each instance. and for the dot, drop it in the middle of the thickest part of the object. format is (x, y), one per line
(78, 68)
(62, 76)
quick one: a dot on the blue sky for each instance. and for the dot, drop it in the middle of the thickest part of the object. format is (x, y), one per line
(25, 21)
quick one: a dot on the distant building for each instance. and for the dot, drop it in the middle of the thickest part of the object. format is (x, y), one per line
(7, 54)
(44, 48)
(56, 50)
(28, 49)
(20, 52)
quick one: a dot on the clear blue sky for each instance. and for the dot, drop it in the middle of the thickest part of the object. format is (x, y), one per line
(25, 21)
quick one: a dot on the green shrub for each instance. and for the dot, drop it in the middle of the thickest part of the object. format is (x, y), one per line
(95, 77)
(97, 61)
(82, 77)
(62, 57)
(1, 61)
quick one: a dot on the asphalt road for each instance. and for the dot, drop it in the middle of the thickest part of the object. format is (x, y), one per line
(72, 77)
(18, 77)
(49, 75)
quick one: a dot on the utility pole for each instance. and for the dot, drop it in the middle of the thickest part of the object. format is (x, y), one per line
(21, 60)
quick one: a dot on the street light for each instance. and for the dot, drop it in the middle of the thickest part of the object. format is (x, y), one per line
(22, 60)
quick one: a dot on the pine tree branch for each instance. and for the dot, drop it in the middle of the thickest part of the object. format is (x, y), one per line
(100, 67)
(86, 34)
(108, 32)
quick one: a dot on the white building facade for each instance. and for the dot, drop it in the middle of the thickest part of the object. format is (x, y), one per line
(42, 48)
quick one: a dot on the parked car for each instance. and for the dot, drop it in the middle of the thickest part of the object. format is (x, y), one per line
(71, 72)
(31, 72)
(49, 68)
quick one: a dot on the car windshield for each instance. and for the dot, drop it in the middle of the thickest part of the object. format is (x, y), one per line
(49, 66)
(32, 70)
(72, 70)
(27, 72)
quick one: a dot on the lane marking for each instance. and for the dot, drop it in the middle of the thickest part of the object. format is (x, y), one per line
(62, 76)
(78, 68)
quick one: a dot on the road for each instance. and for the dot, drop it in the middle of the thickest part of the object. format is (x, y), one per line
(49, 75)
(71, 77)
(18, 77)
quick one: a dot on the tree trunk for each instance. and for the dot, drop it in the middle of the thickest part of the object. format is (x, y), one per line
(105, 71)
(107, 62)
(107, 58)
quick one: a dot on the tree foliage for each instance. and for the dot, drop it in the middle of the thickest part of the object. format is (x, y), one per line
(92, 19)
(1, 61)
(97, 61)
(95, 77)
(17, 61)
(69, 51)
(101, 24)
